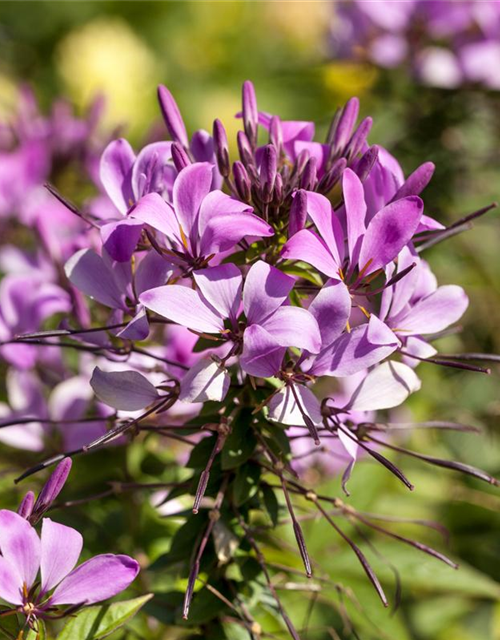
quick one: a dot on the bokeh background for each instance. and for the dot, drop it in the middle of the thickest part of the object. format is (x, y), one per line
(203, 51)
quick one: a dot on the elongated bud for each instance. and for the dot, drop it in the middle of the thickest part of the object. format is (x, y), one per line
(331, 177)
(298, 213)
(300, 163)
(346, 124)
(417, 181)
(366, 163)
(221, 148)
(333, 127)
(51, 489)
(358, 139)
(276, 134)
(308, 178)
(172, 116)
(241, 181)
(268, 170)
(180, 157)
(250, 114)
(26, 507)
(278, 190)
(244, 149)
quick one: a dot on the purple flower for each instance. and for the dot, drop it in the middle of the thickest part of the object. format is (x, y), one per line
(200, 222)
(270, 326)
(371, 243)
(54, 555)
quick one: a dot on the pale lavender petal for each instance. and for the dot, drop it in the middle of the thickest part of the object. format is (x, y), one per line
(191, 186)
(389, 231)
(403, 290)
(417, 346)
(283, 406)
(332, 308)
(137, 328)
(123, 390)
(183, 306)
(349, 443)
(363, 347)
(153, 210)
(386, 386)
(206, 380)
(153, 170)
(266, 288)
(308, 247)
(97, 579)
(221, 286)
(153, 271)
(172, 116)
(294, 327)
(435, 312)
(20, 546)
(321, 213)
(11, 584)
(262, 355)
(120, 238)
(116, 173)
(88, 272)
(355, 209)
(217, 203)
(61, 548)
(223, 231)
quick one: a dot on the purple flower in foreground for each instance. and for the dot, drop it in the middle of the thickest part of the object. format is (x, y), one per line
(55, 555)
(200, 222)
(261, 340)
(371, 244)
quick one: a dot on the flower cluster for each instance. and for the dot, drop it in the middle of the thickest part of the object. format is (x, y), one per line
(446, 44)
(282, 293)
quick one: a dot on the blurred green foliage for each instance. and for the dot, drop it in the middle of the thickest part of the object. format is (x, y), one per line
(203, 51)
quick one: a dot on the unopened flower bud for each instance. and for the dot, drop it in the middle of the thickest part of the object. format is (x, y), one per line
(346, 124)
(331, 177)
(51, 490)
(180, 157)
(278, 190)
(366, 163)
(276, 134)
(244, 148)
(416, 182)
(221, 148)
(268, 170)
(172, 116)
(298, 213)
(358, 139)
(250, 114)
(241, 181)
(26, 507)
(308, 177)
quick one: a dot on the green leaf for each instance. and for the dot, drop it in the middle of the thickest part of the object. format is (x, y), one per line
(93, 623)
(201, 453)
(246, 483)
(240, 444)
(270, 502)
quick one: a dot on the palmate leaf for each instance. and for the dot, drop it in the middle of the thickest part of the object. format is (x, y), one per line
(98, 622)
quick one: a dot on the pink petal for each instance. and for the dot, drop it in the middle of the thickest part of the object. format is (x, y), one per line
(184, 306)
(435, 312)
(20, 546)
(223, 231)
(389, 231)
(89, 273)
(191, 186)
(123, 390)
(331, 307)
(120, 238)
(97, 579)
(266, 288)
(321, 213)
(11, 585)
(221, 286)
(308, 247)
(206, 380)
(355, 209)
(153, 210)
(262, 355)
(294, 327)
(115, 172)
(61, 548)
